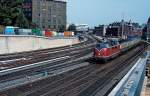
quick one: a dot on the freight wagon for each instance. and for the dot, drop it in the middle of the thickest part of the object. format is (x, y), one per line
(10, 30)
(49, 33)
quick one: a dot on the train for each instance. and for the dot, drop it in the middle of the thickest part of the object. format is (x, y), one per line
(111, 48)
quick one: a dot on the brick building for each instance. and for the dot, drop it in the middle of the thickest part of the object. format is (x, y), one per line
(100, 30)
(148, 29)
(120, 29)
(123, 29)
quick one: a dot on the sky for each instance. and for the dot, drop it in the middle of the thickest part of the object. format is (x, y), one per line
(95, 12)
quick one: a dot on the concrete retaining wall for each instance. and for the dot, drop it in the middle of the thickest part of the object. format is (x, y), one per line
(11, 44)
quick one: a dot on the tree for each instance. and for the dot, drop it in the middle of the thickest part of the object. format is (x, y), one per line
(72, 27)
(11, 13)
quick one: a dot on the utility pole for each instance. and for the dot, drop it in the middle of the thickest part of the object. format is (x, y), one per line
(122, 28)
(122, 25)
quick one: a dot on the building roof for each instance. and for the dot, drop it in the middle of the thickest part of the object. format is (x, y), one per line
(58, 0)
(61, 0)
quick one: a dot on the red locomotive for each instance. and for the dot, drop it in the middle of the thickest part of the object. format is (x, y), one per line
(112, 48)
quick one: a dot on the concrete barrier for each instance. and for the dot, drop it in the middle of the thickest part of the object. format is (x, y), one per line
(15, 43)
(132, 82)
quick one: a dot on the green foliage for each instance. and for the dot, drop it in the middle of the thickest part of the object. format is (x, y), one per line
(72, 27)
(7, 21)
(12, 14)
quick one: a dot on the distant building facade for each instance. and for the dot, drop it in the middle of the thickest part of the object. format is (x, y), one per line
(49, 14)
(27, 9)
(148, 29)
(100, 30)
(120, 29)
(123, 29)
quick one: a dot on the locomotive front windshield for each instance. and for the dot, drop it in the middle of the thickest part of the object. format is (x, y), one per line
(102, 45)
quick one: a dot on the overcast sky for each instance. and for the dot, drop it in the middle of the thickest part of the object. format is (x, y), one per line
(94, 12)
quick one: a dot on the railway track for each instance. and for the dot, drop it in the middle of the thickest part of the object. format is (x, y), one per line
(44, 66)
(25, 58)
(74, 54)
(49, 68)
(77, 82)
(87, 85)
(112, 77)
(43, 57)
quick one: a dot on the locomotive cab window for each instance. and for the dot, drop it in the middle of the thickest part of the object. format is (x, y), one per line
(102, 45)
